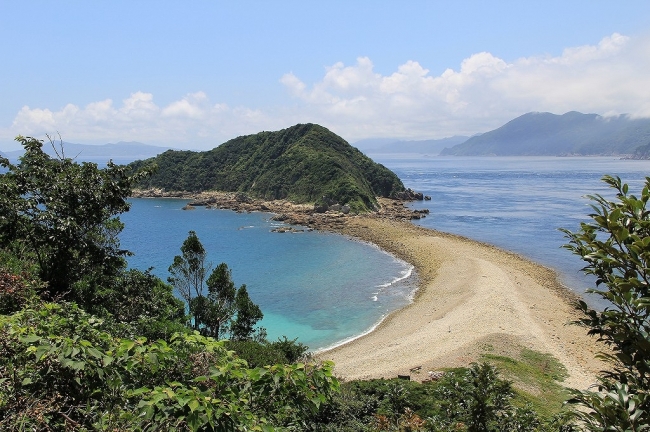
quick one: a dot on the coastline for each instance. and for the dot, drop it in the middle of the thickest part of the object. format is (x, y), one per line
(472, 298)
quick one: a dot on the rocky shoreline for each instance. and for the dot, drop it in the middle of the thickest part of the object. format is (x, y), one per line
(472, 298)
(332, 218)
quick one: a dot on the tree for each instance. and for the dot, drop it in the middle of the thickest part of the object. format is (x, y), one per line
(616, 247)
(221, 296)
(188, 276)
(481, 401)
(223, 308)
(248, 314)
(61, 370)
(64, 216)
(141, 304)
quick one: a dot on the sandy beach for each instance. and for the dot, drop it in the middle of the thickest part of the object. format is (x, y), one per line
(472, 299)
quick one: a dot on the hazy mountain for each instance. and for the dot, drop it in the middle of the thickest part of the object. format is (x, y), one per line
(121, 152)
(642, 152)
(546, 134)
(432, 147)
(373, 143)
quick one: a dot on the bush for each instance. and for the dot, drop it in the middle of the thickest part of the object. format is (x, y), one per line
(615, 246)
(61, 370)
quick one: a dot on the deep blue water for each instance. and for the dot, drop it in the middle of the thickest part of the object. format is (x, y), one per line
(324, 288)
(517, 203)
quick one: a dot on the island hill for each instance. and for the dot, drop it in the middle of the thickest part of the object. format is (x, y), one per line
(304, 164)
(570, 134)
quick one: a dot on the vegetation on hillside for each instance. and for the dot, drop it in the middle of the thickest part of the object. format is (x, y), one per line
(90, 345)
(304, 164)
(86, 344)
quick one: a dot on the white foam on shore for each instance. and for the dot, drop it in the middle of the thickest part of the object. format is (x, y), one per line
(407, 273)
(351, 338)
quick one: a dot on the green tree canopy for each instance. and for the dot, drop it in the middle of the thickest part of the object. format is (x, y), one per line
(64, 215)
(303, 164)
(189, 269)
(221, 297)
(615, 246)
(248, 314)
(61, 370)
(224, 308)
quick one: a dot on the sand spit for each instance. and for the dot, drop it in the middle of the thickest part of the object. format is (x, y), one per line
(472, 298)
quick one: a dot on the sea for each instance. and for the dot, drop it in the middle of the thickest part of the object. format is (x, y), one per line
(325, 289)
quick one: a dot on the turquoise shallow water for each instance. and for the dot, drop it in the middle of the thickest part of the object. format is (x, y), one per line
(321, 288)
(325, 288)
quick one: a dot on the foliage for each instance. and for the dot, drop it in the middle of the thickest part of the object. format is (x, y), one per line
(248, 314)
(303, 163)
(139, 303)
(616, 248)
(480, 401)
(221, 298)
(473, 399)
(15, 292)
(61, 370)
(224, 309)
(260, 353)
(19, 283)
(188, 276)
(64, 216)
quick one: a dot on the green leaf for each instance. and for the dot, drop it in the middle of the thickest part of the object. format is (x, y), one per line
(193, 404)
(94, 352)
(30, 339)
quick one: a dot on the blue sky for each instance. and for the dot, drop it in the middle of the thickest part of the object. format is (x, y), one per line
(195, 74)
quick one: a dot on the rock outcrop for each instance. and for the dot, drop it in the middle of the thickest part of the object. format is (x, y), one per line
(324, 217)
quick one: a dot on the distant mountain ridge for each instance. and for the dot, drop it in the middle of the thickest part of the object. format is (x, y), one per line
(546, 134)
(431, 147)
(121, 152)
(305, 163)
(642, 152)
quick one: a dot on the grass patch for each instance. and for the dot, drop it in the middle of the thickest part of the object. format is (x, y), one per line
(536, 377)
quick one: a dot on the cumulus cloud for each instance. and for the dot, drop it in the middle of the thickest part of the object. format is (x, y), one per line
(355, 101)
(191, 122)
(483, 93)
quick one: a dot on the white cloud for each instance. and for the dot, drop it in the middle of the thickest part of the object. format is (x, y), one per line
(355, 101)
(485, 92)
(192, 106)
(192, 122)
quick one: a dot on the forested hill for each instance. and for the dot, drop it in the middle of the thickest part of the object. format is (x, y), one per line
(303, 164)
(546, 134)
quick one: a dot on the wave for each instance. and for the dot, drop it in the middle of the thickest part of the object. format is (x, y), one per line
(351, 338)
(404, 274)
